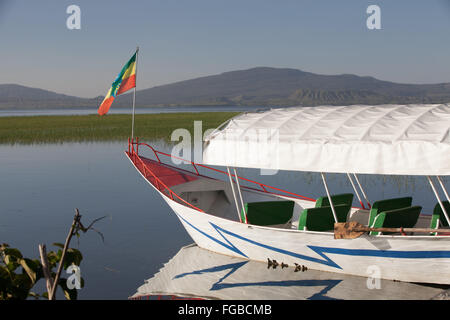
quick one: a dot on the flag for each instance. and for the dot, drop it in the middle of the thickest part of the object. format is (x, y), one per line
(125, 81)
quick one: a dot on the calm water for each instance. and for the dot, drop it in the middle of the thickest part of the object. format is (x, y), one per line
(41, 185)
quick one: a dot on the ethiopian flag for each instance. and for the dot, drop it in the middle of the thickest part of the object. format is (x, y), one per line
(125, 81)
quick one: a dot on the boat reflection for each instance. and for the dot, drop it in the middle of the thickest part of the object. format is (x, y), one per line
(197, 273)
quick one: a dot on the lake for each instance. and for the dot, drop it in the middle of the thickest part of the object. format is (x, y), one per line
(41, 185)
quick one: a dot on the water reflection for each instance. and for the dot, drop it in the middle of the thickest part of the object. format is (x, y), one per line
(198, 273)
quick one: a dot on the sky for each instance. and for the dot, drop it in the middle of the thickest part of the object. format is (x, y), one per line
(181, 40)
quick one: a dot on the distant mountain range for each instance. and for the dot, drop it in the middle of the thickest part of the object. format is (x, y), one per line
(260, 86)
(14, 96)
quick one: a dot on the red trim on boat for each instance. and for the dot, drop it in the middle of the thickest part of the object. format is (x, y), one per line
(167, 175)
(153, 179)
(263, 186)
(163, 176)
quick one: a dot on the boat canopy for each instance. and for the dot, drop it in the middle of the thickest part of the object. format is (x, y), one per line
(368, 139)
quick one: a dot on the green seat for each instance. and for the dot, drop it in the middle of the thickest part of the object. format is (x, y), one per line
(345, 198)
(321, 219)
(387, 205)
(438, 216)
(404, 217)
(268, 213)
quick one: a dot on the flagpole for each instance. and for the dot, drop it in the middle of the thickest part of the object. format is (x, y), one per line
(134, 96)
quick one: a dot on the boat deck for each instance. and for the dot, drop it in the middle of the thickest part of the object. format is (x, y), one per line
(166, 174)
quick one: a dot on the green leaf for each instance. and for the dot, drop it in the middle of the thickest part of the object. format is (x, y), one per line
(73, 256)
(13, 252)
(52, 259)
(11, 264)
(59, 254)
(69, 294)
(22, 280)
(5, 281)
(4, 273)
(57, 244)
(21, 286)
(34, 295)
(36, 266)
(28, 266)
(3, 246)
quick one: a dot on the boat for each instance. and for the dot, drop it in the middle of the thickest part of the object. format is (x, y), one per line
(196, 273)
(232, 215)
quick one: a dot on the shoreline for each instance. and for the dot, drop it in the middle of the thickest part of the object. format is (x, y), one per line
(123, 110)
(38, 129)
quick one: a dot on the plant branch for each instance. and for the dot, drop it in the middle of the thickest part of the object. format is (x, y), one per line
(76, 221)
(46, 267)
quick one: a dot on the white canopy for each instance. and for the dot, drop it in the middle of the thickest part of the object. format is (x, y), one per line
(381, 139)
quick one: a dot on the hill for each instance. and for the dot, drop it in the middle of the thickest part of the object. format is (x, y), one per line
(14, 96)
(260, 86)
(265, 86)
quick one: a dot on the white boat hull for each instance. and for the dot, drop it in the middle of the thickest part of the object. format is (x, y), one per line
(423, 259)
(411, 259)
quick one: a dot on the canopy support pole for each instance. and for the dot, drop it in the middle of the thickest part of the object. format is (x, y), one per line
(240, 194)
(356, 191)
(443, 188)
(234, 194)
(362, 191)
(438, 199)
(329, 197)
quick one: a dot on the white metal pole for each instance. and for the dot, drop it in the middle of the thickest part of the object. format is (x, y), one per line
(356, 191)
(134, 95)
(362, 190)
(443, 188)
(234, 194)
(438, 199)
(240, 194)
(329, 197)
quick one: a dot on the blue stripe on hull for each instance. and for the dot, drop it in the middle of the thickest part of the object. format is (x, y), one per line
(229, 246)
(321, 251)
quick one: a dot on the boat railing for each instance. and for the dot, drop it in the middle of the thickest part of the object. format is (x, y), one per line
(262, 187)
(161, 186)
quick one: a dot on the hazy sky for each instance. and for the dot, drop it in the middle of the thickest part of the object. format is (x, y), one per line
(184, 39)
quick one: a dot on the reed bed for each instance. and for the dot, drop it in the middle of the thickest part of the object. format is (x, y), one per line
(90, 128)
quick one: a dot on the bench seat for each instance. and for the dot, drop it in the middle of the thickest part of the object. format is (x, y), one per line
(398, 218)
(321, 219)
(386, 205)
(344, 198)
(266, 213)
